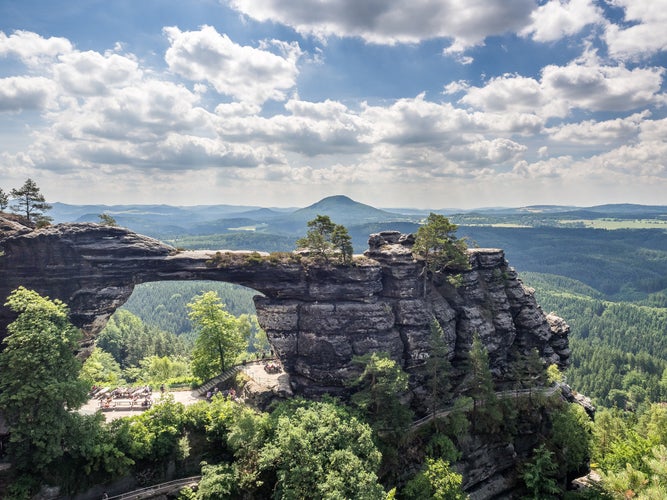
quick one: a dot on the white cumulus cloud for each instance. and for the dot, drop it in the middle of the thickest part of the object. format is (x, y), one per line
(466, 22)
(558, 18)
(242, 72)
(91, 73)
(645, 31)
(19, 93)
(584, 84)
(31, 48)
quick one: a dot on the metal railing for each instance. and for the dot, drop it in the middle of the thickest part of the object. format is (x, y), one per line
(511, 393)
(227, 374)
(156, 489)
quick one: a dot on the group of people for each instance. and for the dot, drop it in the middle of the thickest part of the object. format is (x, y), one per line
(231, 394)
(272, 368)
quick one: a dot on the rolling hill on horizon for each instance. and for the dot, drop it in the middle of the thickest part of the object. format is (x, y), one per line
(627, 263)
(337, 206)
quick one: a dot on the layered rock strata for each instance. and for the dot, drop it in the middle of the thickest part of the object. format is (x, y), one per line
(317, 317)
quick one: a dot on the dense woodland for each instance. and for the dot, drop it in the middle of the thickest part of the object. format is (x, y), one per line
(163, 304)
(619, 349)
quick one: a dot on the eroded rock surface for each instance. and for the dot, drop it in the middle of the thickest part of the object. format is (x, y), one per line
(317, 317)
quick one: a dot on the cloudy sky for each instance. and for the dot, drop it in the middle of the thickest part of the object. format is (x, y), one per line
(427, 104)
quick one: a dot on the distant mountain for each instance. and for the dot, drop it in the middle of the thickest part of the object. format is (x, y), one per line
(264, 214)
(177, 215)
(172, 222)
(341, 210)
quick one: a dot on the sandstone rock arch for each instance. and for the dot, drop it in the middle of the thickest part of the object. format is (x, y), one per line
(317, 317)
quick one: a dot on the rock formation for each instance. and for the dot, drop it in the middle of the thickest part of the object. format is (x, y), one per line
(317, 316)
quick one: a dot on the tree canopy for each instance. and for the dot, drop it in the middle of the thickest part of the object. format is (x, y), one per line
(487, 415)
(438, 369)
(378, 389)
(107, 220)
(39, 384)
(438, 246)
(30, 202)
(319, 450)
(325, 239)
(219, 336)
(129, 340)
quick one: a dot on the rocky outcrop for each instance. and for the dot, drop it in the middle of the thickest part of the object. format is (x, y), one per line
(317, 317)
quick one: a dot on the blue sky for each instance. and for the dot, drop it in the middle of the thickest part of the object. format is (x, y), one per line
(428, 104)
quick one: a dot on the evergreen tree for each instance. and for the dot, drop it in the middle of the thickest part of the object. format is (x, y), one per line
(571, 436)
(342, 242)
(129, 340)
(486, 413)
(107, 220)
(30, 202)
(438, 369)
(439, 248)
(378, 391)
(325, 238)
(4, 199)
(539, 475)
(437, 481)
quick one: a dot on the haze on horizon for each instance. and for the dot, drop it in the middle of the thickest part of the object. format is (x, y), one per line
(448, 103)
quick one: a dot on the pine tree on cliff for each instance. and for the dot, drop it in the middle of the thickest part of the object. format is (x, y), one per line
(438, 368)
(487, 416)
(325, 239)
(4, 199)
(439, 248)
(30, 202)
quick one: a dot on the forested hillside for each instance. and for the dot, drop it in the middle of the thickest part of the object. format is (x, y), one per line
(610, 286)
(619, 349)
(163, 304)
(623, 265)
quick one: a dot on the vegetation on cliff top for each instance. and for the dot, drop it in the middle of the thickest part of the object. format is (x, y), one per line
(29, 202)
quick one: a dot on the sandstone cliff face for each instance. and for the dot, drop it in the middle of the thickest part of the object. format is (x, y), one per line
(317, 335)
(317, 317)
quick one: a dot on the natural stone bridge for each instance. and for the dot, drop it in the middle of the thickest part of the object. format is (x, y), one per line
(317, 317)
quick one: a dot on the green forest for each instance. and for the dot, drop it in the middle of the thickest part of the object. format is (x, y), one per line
(619, 349)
